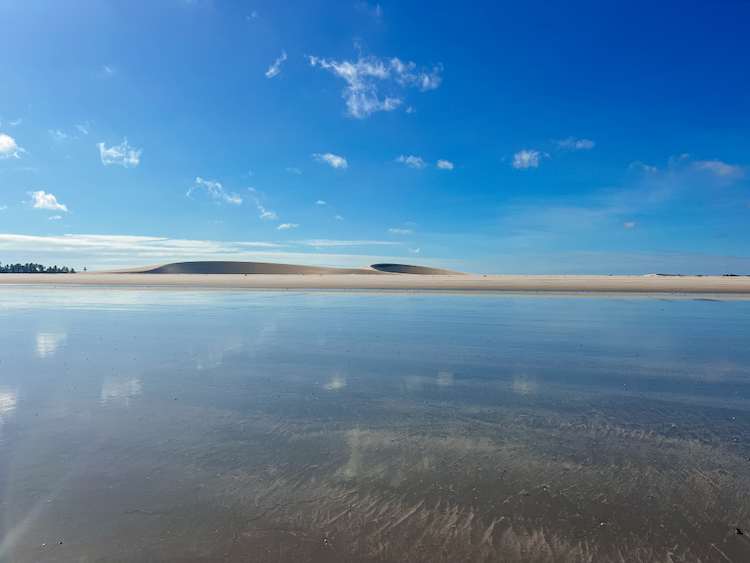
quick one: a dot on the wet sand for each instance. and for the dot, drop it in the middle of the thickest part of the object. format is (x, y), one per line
(340, 427)
(470, 282)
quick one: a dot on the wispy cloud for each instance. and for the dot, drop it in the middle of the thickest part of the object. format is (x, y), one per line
(123, 154)
(287, 226)
(526, 158)
(263, 213)
(367, 76)
(333, 160)
(84, 128)
(719, 168)
(214, 190)
(629, 224)
(338, 217)
(575, 144)
(400, 231)
(275, 68)
(59, 135)
(55, 217)
(108, 70)
(444, 165)
(9, 147)
(43, 200)
(108, 251)
(321, 202)
(412, 161)
(293, 170)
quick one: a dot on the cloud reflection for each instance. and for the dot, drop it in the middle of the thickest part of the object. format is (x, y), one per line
(120, 391)
(335, 383)
(47, 343)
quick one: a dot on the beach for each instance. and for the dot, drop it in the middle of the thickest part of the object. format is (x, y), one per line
(725, 285)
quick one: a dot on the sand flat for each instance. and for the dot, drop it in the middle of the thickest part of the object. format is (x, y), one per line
(469, 283)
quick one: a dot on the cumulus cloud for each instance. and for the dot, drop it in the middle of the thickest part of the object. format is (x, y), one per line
(9, 148)
(400, 231)
(122, 154)
(719, 168)
(275, 68)
(214, 190)
(444, 165)
(287, 226)
(411, 161)
(333, 160)
(526, 159)
(43, 200)
(366, 76)
(575, 144)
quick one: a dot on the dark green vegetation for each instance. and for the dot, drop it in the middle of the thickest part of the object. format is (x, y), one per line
(33, 268)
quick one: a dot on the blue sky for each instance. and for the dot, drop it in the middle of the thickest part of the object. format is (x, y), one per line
(556, 137)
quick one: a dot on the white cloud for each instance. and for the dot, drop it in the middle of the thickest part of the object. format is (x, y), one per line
(263, 213)
(54, 217)
(629, 224)
(59, 135)
(110, 251)
(643, 167)
(287, 226)
(412, 161)
(293, 170)
(321, 202)
(338, 217)
(275, 68)
(42, 200)
(9, 148)
(415, 250)
(215, 191)
(526, 159)
(108, 70)
(719, 168)
(365, 76)
(3, 207)
(572, 143)
(400, 231)
(83, 128)
(444, 165)
(122, 154)
(334, 160)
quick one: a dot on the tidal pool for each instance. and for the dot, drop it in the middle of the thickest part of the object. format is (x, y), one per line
(155, 425)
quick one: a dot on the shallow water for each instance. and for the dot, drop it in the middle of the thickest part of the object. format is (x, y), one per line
(271, 426)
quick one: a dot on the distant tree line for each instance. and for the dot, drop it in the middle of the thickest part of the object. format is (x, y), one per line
(32, 268)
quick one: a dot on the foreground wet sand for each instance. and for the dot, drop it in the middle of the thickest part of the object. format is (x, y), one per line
(218, 426)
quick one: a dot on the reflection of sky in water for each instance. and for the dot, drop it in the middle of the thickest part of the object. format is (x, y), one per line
(493, 408)
(7, 401)
(115, 391)
(47, 343)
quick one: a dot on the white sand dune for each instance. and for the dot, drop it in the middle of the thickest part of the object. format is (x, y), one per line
(271, 268)
(246, 268)
(409, 269)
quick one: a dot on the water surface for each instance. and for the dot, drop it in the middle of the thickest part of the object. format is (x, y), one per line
(268, 426)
